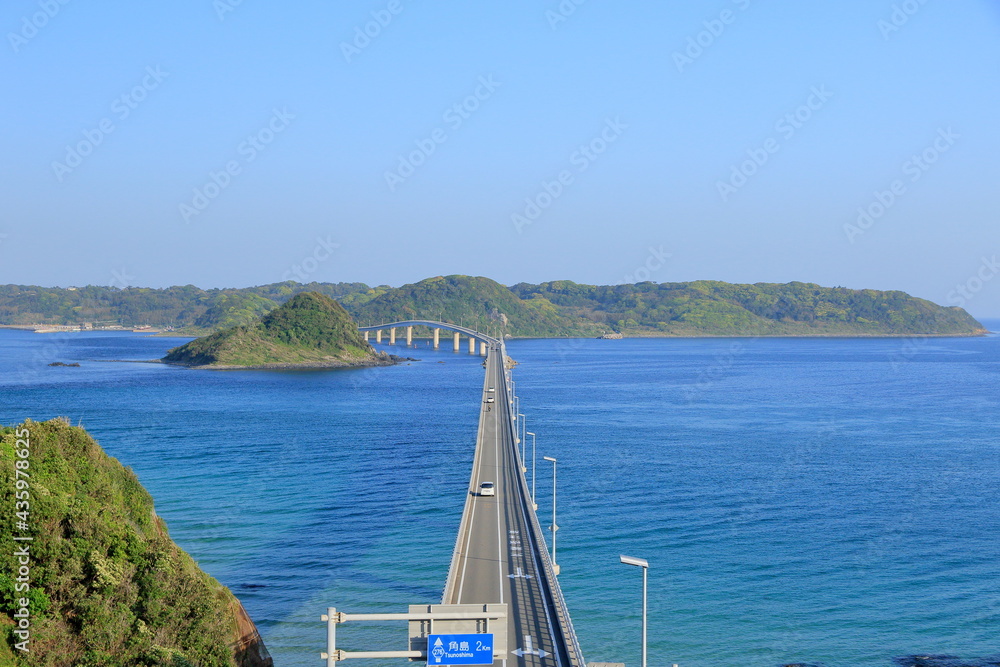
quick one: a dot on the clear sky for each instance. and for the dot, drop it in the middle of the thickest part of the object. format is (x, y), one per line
(234, 143)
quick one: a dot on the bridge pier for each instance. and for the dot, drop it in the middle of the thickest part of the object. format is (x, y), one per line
(457, 345)
(392, 336)
(472, 345)
(482, 349)
(409, 336)
(366, 336)
(378, 336)
(437, 339)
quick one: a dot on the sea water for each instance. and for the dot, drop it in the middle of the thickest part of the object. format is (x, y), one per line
(828, 501)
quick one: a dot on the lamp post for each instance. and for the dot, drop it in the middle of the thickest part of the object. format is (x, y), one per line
(555, 526)
(533, 503)
(639, 562)
(520, 439)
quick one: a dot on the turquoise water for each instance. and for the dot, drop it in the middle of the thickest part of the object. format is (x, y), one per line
(829, 501)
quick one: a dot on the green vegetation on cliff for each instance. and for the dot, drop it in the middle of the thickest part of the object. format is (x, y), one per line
(310, 329)
(108, 587)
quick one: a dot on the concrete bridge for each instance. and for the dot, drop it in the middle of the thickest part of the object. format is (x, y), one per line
(436, 328)
(500, 555)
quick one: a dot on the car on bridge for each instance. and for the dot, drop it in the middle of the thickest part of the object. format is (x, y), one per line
(487, 489)
(491, 400)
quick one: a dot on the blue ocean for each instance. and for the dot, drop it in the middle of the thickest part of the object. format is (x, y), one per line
(817, 501)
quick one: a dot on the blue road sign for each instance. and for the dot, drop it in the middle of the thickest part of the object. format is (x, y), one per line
(460, 649)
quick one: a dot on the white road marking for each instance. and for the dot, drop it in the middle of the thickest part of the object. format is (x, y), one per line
(529, 649)
(472, 519)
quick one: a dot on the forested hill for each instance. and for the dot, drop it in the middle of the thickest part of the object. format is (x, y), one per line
(707, 307)
(552, 309)
(195, 310)
(310, 329)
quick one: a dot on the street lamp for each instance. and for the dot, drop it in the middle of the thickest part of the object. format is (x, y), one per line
(533, 503)
(639, 562)
(555, 526)
(521, 439)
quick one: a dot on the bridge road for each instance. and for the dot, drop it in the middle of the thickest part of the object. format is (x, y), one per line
(497, 558)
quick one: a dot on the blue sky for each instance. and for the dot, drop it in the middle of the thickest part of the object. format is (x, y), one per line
(225, 143)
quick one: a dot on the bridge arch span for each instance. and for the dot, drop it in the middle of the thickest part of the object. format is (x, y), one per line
(484, 339)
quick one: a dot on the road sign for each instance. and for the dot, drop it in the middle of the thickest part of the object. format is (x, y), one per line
(460, 649)
(459, 619)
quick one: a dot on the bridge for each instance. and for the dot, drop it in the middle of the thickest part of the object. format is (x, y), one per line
(500, 554)
(436, 327)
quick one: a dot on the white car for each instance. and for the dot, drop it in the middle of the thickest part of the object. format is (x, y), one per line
(487, 489)
(491, 390)
(491, 400)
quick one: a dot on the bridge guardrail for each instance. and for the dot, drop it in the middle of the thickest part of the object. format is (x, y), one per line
(566, 628)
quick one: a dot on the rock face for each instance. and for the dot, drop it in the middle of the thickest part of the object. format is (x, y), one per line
(311, 330)
(107, 585)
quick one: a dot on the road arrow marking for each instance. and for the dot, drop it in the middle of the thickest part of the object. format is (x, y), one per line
(520, 575)
(521, 652)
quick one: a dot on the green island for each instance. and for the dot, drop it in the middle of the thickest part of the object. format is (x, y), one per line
(107, 586)
(559, 308)
(310, 330)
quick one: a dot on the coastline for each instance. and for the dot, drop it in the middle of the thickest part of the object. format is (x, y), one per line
(979, 334)
(973, 334)
(390, 360)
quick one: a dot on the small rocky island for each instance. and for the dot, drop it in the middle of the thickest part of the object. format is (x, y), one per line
(311, 330)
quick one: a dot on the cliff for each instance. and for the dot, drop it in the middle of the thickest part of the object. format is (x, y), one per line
(100, 582)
